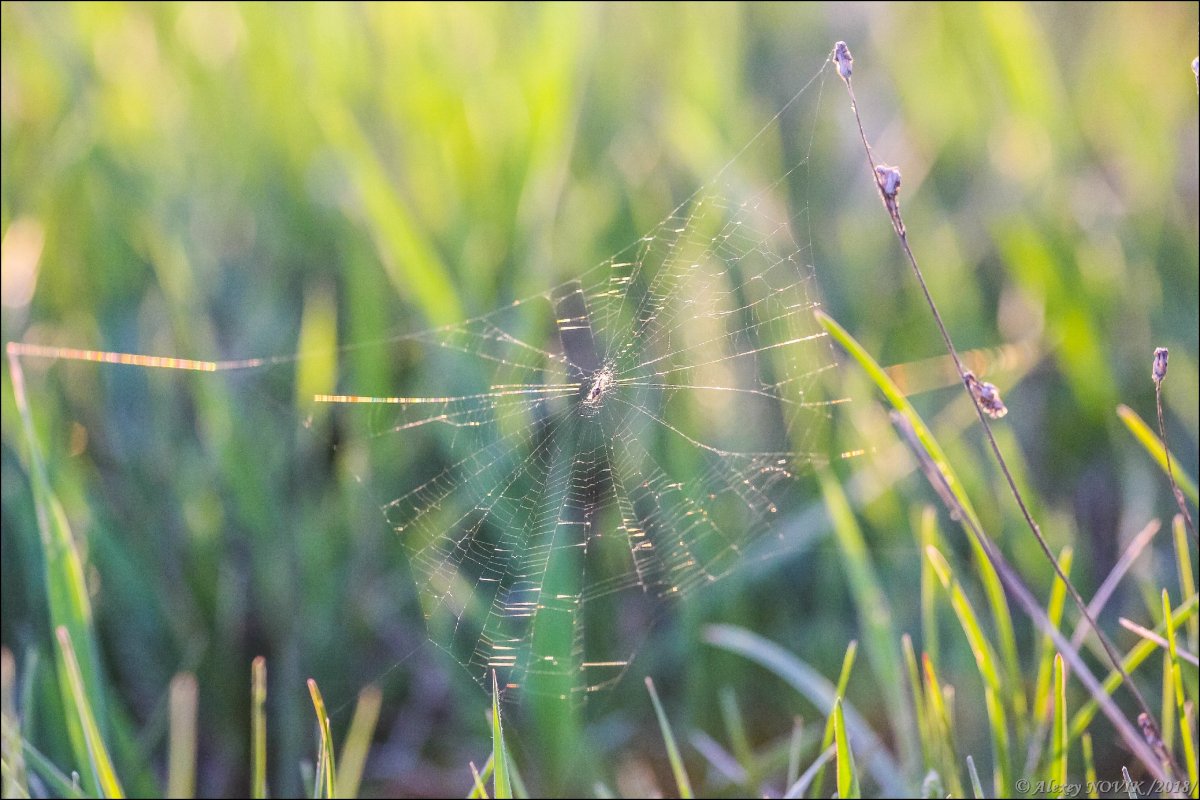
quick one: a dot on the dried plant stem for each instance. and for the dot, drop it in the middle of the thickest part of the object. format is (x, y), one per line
(1162, 434)
(887, 182)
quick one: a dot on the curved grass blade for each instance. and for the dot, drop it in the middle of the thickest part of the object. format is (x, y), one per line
(1149, 441)
(326, 769)
(681, 779)
(997, 603)
(847, 776)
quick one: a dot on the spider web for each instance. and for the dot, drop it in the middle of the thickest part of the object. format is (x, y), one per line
(640, 428)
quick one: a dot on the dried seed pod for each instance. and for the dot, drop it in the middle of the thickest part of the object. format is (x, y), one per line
(986, 395)
(1161, 354)
(889, 181)
(843, 59)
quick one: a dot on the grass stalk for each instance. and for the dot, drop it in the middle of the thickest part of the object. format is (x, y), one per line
(326, 767)
(1160, 374)
(258, 728)
(682, 783)
(181, 751)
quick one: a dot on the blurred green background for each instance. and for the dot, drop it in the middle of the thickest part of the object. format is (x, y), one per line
(228, 180)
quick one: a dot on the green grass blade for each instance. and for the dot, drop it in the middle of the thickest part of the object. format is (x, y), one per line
(67, 594)
(976, 786)
(985, 660)
(681, 778)
(997, 603)
(326, 767)
(57, 781)
(14, 781)
(1185, 729)
(927, 536)
(358, 742)
(928, 752)
(181, 752)
(839, 691)
(258, 728)
(479, 789)
(98, 759)
(1147, 437)
(1058, 747)
(1042, 684)
(1089, 767)
(1187, 578)
(874, 615)
(941, 727)
(847, 775)
(501, 786)
(817, 689)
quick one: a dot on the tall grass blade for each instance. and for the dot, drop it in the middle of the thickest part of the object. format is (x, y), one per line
(847, 775)
(326, 767)
(479, 790)
(873, 614)
(817, 689)
(1042, 685)
(181, 751)
(941, 728)
(1186, 735)
(985, 660)
(1187, 578)
(928, 537)
(839, 692)
(67, 595)
(98, 760)
(501, 787)
(993, 589)
(1148, 439)
(928, 752)
(682, 784)
(1089, 767)
(358, 742)
(1058, 751)
(258, 728)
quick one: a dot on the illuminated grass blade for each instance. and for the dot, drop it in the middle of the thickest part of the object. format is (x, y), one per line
(1185, 729)
(181, 752)
(928, 751)
(985, 660)
(941, 728)
(479, 787)
(501, 786)
(1089, 767)
(976, 786)
(1042, 684)
(358, 742)
(98, 759)
(847, 776)
(928, 537)
(873, 614)
(1147, 437)
(1058, 746)
(326, 769)
(258, 728)
(817, 689)
(997, 603)
(67, 595)
(681, 779)
(827, 738)
(1187, 578)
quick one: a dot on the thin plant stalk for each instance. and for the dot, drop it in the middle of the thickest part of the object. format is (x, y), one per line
(1160, 374)
(887, 181)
